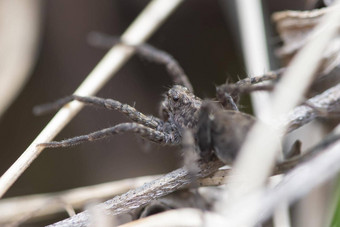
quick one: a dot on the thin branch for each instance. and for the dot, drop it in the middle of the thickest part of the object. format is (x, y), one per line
(281, 214)
(254, 46)
(140, 30)
(328, 101)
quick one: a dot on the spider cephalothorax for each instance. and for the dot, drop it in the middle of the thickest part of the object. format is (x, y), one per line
(181, 107)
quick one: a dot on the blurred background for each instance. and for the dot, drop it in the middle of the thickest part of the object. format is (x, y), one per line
(202, 35)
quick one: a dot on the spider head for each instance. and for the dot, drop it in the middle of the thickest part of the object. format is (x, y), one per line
(180, 106)
(179, 97)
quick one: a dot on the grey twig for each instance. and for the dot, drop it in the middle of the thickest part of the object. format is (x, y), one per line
(143, 195)
(329, 101)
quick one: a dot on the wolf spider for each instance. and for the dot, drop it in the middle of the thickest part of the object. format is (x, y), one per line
(216, 130)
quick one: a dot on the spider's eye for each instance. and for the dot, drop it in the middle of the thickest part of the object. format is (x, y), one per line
(175, 98)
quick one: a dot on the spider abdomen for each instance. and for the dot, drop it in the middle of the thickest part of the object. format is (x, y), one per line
(221, 132)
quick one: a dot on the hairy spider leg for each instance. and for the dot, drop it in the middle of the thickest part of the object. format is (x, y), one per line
(161, 57)
(150, 53)
(139, 129)
(110, 104)
(229, 94)
(226, 100)
(271, 75)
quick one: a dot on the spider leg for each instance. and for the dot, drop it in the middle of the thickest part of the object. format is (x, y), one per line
(229, 94)
(161, 57)
(226, 100)
(150, 53)
(271, 75)
(139, 129)
(110, 104)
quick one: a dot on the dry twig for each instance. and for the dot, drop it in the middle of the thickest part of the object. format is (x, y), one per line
(143, 195)
(254, 46)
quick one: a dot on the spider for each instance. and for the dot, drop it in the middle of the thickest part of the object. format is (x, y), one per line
(217, 131)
